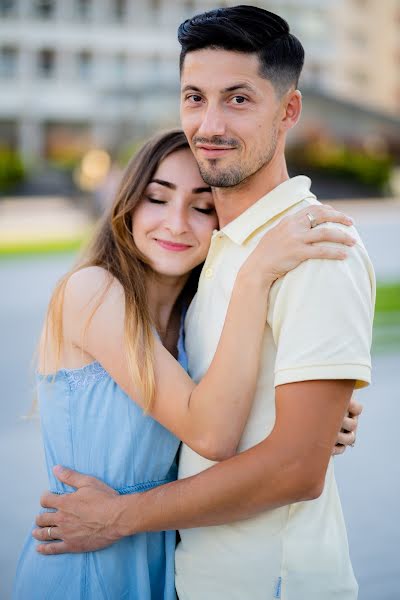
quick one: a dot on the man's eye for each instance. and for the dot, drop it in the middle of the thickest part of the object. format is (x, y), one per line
(239, 100)
(155, 200)
(194, 98)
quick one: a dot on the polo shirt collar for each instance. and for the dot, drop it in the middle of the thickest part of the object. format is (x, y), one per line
(285, 195)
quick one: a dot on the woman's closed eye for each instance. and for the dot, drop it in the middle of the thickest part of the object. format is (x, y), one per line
(205, 211)
(155, 200)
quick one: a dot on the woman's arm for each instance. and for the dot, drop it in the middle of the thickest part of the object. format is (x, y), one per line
(210, 416)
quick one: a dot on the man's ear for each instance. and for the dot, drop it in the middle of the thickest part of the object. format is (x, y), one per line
(292, 105)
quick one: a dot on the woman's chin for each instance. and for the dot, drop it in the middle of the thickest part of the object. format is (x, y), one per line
(164, 269)
(172, 272)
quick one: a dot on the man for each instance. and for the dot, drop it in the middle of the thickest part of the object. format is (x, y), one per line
(286, 538)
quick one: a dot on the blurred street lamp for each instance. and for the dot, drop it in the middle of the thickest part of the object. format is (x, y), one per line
(93, 170)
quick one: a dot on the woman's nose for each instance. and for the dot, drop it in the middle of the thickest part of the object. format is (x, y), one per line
(177, 221)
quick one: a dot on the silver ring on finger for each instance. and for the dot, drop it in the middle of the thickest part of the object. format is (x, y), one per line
(49, 533)
(312, 219)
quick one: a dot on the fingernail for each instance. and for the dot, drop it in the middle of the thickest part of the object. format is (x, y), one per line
(58, 469)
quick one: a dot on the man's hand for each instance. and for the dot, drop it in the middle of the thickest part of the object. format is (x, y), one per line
(83, 521)
(347, 434)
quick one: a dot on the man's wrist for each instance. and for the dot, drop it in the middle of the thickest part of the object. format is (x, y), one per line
(124, 518)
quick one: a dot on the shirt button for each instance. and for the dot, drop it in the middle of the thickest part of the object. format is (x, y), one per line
(209, 273)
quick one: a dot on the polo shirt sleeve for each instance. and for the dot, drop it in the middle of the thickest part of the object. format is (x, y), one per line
(321, 316)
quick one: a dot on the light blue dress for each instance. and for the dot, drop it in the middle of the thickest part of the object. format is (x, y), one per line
(89, 424)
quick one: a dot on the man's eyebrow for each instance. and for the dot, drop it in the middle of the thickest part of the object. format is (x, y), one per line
(232, 88)
(192, 88)
(239, 86)
(167, 184)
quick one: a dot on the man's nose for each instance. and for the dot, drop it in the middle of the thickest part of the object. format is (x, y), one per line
(212, 123)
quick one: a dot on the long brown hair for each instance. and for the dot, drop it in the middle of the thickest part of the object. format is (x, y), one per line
(113, 248)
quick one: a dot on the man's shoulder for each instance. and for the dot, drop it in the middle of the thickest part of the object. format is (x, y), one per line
(313, 276)
(352, 230)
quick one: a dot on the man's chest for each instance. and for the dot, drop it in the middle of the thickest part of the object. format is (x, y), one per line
(206, 316)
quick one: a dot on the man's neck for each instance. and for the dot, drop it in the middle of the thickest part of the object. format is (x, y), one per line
(231, 202)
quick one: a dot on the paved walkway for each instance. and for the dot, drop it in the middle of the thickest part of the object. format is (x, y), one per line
(378, 222)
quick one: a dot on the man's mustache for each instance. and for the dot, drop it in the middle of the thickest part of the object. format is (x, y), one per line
(215, 141)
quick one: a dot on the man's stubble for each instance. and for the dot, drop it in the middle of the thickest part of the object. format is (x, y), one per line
(238, 173)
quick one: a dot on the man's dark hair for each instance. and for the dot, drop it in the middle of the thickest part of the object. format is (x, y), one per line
(250, 30)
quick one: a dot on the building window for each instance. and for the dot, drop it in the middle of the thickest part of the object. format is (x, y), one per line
(47, 64)
(84, 9)
(119, 10)
(7, 8)
(44, 9)
(85, 65)
(8, 62)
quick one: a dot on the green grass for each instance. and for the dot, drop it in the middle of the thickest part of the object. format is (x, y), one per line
(387, 318)
(34, 248)
(388, 298)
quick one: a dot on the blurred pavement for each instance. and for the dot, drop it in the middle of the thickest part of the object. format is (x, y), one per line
(378, 222)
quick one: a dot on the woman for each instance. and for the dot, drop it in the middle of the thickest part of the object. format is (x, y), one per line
(140, 274)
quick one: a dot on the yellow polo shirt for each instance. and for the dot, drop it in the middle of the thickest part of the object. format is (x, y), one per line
(319, 326)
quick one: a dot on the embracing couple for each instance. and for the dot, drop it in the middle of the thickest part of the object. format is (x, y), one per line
(211, 308)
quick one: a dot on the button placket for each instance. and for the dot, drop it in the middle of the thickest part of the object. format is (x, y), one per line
(209, 270)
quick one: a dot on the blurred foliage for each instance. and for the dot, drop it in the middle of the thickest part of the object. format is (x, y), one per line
(342, 160)
(65, 159)
(125, 154)
(12, 170)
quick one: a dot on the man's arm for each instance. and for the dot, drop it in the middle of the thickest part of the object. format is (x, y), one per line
(288, 466)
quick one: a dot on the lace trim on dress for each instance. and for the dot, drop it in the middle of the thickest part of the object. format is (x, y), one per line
(87, 375)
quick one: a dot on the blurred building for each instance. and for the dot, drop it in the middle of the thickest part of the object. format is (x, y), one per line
(100, 72)
(85, 72)
(311, 22)
(366, 69)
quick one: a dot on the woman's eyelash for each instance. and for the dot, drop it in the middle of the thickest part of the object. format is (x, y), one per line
(206, 211)
(155, 200)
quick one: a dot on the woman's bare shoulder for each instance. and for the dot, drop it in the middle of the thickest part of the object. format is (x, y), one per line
(90, 284)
